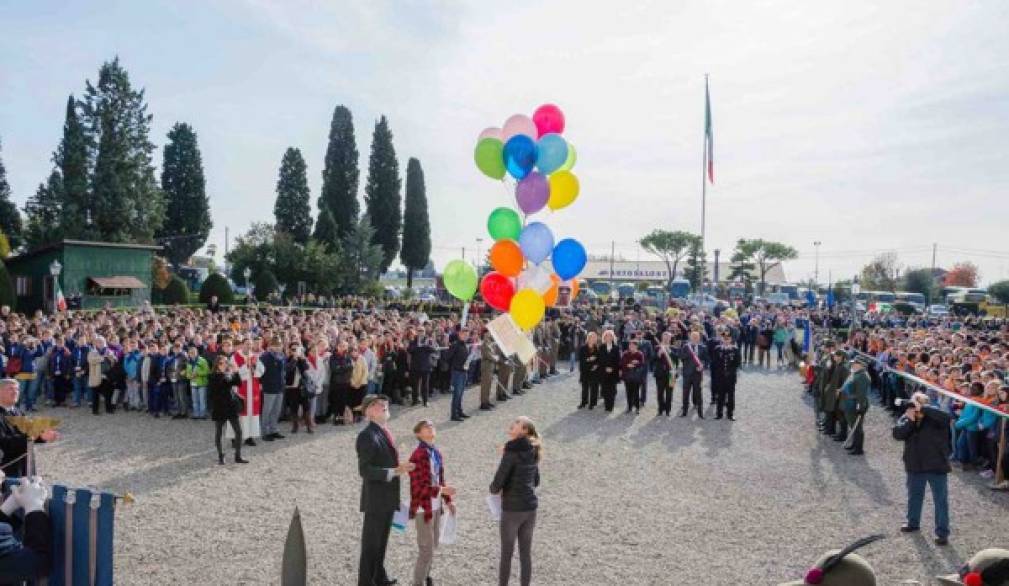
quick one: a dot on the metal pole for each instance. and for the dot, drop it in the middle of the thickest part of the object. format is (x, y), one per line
(714, 280)
(816, 269)
(704, 186)
(613, 248)
(931, 275)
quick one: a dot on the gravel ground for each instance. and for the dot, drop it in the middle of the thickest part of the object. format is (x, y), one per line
(625, 499)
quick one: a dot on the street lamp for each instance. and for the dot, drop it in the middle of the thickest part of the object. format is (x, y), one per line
(248, 288)
(55, 268)
(816, 269)
(855, 290)
(479, 259)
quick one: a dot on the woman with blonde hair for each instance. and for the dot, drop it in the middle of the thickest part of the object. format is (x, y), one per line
(516, 480)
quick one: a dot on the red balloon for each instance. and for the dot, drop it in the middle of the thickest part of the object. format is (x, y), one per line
(497, 290)
(548, 118)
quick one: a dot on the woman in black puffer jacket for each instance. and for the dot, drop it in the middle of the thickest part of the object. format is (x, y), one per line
(516, 480)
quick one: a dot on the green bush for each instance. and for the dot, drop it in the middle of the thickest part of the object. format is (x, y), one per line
(217, 285)
(7, 296)
(176, 293)
(264, 284)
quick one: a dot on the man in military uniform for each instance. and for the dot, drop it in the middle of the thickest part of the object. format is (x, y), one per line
(504, 372)
(488, 355)
(725, 361)
(519, 378)
(822, 373)
(539, 342)
(855, 403)
(554, 340)
(836, 376)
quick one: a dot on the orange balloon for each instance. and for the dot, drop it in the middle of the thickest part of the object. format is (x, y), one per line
(574, 289)
(506, 257)
(550, 297)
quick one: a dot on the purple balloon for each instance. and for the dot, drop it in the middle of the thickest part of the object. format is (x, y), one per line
(532, 193)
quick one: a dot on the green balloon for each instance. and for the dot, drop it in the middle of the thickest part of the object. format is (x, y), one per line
(570, 161)
(489, 157)
(504, 223)
(460, 279)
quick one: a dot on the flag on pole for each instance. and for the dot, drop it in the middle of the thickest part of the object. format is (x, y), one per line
(61, 302)
(709, 137)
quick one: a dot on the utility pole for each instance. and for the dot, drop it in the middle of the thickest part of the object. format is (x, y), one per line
(816, 269)
(464, 254)
(935, 247)
(479, 259)
(613, 251)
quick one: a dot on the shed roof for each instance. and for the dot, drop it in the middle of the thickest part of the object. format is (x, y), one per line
(127, 282)
(61, 244)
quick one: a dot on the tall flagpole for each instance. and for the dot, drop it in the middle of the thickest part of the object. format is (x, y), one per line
(704, 187)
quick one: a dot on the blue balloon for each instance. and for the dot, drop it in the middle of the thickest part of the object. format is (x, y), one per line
(569, 258)
(553, 153)
(520, 154)
(536, 242)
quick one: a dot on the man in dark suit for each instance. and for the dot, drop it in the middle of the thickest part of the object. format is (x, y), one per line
(14, 443)
(694, 358)
(378, 464)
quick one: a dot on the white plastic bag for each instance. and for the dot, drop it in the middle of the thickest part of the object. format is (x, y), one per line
(494, 506)
(401, 518)
(448, 526)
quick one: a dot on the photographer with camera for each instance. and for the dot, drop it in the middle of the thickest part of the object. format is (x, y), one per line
(925, 432)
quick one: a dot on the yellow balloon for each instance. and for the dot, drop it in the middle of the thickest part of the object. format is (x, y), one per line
(563, 190)
(527, 308)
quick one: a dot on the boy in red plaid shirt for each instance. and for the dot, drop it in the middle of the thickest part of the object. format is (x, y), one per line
(428, 492)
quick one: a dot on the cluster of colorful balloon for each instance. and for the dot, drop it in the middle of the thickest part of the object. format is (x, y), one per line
(533, 152)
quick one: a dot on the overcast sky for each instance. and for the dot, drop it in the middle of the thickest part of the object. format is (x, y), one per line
(864, 128)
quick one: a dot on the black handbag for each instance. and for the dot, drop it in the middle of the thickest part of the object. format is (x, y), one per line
(237, 401)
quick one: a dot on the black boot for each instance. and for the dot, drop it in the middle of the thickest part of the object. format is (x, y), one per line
(239, 460)
(220, 458)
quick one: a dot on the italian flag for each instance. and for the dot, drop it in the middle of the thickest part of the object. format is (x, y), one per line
(61, 301)
(709, 137)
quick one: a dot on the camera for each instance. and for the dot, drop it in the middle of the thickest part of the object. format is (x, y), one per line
(904, 404)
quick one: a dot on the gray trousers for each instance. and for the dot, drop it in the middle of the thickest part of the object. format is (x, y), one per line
(272, 403)
(181, 389)
(519, 526)
(427, 540)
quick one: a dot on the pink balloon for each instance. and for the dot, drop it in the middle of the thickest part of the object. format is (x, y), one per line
(548, 118)
(518, 124)
(532, 193)
(492, 132)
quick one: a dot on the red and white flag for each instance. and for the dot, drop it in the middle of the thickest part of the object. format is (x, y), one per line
(61, 301)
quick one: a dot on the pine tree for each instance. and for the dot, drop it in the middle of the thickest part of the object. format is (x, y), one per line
(72, 160)
(293, 210)
(695, 271)
(44, 210)
(381, 193)
(340, 175)
(325, 229)
(361, 257)
(127, 204)
(187, 209)
(10, 218)
(416, 226)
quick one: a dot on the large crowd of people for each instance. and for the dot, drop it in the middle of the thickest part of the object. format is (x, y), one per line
(250, 368)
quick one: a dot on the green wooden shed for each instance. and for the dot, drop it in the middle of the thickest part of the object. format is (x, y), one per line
(100, 274)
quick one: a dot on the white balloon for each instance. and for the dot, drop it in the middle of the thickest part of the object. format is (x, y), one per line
(537, 278)
(492, 132)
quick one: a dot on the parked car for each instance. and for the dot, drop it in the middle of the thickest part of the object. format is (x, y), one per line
(938, 310)
(707, 302)
(780, 299)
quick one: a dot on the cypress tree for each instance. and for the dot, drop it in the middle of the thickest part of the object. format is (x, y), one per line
(381, 193)
(325, 229)
(72, 160)
(416, 226)
(187, 209)
(340, 175)
(43, 211)
(127, 204)
(10, 218)
(293, 210)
